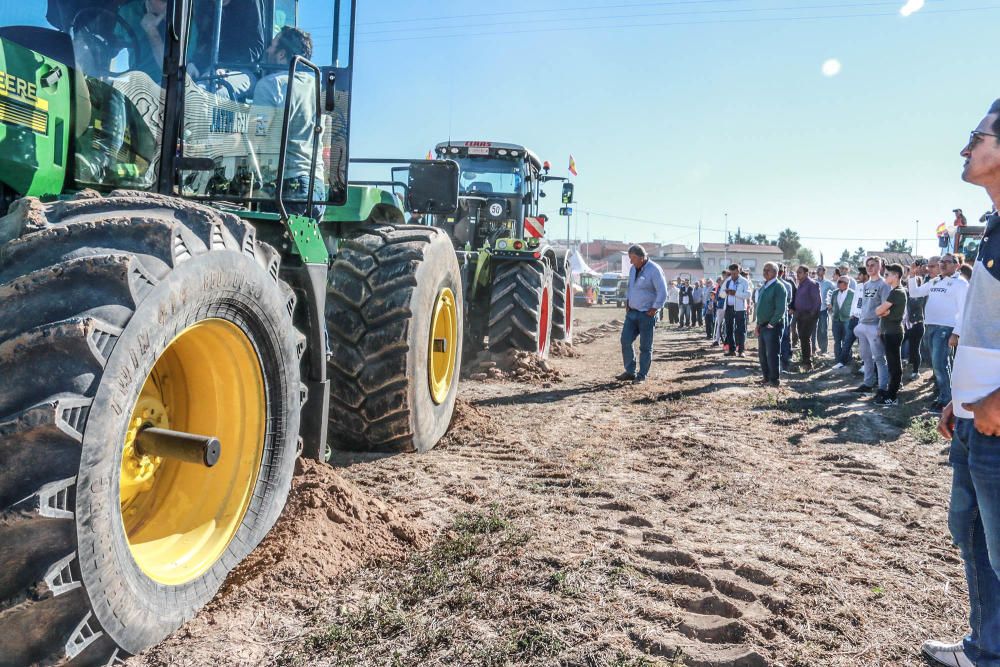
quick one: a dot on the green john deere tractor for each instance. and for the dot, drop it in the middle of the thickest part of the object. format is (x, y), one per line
(191, 295)
(518, 287)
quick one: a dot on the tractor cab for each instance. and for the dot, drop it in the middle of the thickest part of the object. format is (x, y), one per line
(251, 96)
(499, 193)
(967, 239)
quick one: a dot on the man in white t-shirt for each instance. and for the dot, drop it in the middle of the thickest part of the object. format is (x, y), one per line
(972, 421)
(945, 302)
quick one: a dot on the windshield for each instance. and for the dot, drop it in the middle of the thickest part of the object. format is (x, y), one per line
(481, 175)
(609, 282)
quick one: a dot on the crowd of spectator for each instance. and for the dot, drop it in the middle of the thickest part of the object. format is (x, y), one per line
(876, 320)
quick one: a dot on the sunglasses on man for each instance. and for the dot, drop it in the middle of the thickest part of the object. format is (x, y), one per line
(976, 136)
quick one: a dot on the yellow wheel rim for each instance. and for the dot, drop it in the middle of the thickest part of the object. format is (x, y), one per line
(179, 518)
(444, 340)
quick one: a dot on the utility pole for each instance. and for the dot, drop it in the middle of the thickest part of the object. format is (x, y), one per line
(725, 255)
(588, 237)
(916, 236)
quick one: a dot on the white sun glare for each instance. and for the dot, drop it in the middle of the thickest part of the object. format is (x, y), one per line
(831, 67)
(911, 7)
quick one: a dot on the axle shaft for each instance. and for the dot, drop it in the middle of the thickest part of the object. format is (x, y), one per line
(188, 447)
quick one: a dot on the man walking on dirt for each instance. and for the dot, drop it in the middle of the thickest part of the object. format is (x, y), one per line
(647, 292)
(972, 421)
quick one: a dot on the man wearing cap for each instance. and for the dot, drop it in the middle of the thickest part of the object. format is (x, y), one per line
(647, 292)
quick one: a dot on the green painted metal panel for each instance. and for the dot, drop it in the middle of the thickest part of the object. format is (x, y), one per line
(34, 121)
(361, 199)
(308, 242)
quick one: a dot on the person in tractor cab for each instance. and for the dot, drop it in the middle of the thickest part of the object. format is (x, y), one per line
(147, 20)
(241, 44)
(271, 91)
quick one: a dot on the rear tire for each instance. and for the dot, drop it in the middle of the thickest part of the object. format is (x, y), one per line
(92, 295)
(521, 308)
(385, 286)
(562, 298)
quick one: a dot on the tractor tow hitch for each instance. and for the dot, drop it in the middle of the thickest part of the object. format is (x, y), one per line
(188, 447)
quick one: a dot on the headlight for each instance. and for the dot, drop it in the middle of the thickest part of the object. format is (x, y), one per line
(502, 245)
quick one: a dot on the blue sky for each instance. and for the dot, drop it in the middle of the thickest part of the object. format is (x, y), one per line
(684, 110)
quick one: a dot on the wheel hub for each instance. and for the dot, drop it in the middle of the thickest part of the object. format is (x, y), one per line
(441, 358)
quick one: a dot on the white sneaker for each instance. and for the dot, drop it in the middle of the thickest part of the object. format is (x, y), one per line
(951, 655)
(837, 365)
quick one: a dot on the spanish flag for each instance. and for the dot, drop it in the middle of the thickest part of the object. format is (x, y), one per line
(941, 229)
(430, 155)
(572, 165)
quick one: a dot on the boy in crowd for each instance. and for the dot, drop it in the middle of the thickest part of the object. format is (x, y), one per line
(890, 328)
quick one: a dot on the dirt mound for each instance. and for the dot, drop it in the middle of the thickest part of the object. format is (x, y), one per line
(563, 349)
(328, 525)
(512, 365)
(329, 528)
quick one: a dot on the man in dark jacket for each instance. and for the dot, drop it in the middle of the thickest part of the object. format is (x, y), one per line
(806, 306)
(772, 308)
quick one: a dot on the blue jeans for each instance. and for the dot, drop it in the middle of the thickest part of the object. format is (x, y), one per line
(820, 334)
(974, 520)
(937, 343)
(767, 351)
(638, 325)
(686, 315)
(785, 352)
(846, 351)
(736, 329)
(839, 338)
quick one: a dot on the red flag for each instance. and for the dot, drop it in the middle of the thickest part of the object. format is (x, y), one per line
(572, 165)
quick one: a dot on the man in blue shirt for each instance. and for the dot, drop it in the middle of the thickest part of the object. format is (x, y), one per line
(823, 323)
(647, 292)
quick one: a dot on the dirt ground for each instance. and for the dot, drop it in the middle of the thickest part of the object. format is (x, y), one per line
(693, 520)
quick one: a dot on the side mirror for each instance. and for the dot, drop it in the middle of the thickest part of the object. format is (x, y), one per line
(433, 187)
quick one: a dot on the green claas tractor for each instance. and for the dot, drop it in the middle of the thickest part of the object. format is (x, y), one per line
(191, 295)
(518, 287)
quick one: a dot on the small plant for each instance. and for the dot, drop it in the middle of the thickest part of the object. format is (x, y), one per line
(924, 430)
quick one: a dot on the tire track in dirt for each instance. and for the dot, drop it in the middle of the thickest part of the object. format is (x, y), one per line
(692, 520)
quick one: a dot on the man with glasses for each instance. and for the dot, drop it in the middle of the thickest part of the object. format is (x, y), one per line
(972, 421)
(945, 301)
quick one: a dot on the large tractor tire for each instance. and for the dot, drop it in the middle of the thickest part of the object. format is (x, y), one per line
(562, 298)
(521, 308)
(118, 313)
(394, 314)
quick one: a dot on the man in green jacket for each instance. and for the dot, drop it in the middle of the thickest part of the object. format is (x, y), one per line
(772, 307)
(840, 309)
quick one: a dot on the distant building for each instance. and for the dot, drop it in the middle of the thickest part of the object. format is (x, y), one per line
(675, 268)
(903, 258)
(716, 257)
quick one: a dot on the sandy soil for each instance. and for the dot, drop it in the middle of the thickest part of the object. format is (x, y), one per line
(694, 520)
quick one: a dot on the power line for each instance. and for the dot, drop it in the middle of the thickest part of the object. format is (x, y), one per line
(675, 23)
(697, 12)
(522, 12)
(750, 233)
